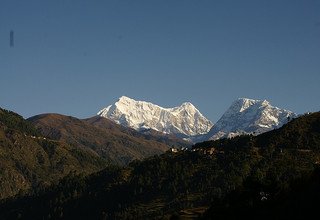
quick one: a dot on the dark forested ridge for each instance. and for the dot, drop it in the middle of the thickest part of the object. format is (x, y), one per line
(273, 175)
(14, 121)
(29, 160)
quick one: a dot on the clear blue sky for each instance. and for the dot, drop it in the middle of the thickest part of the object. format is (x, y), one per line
(74, 57)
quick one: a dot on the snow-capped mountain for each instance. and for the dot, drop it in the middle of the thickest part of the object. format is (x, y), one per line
(184, 120)
(249, 116)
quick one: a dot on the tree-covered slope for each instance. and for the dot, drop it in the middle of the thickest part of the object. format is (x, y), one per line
(226, 175)
(16, 122)
(149, 134)
(28, 160)
(113, 142)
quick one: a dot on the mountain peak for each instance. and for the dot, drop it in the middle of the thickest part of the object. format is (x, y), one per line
(241, 104)
(243, 99)
(249, 116)
(125, 98)
(248, 100)
(183, 120)
(187, 104)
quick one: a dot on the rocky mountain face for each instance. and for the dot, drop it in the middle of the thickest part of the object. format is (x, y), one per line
(183, 121)
(244, 116)
(248, 116)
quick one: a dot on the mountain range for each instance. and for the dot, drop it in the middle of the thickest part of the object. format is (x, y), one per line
(121, 133)
(244, 116)
(183, 121)
(54, 166)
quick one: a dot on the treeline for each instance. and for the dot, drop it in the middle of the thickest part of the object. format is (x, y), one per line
(13, 121)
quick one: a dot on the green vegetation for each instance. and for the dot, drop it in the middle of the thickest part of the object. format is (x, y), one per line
(267, 176)
(116, 144)
(29, 161)
(255, 177)
(13, 121)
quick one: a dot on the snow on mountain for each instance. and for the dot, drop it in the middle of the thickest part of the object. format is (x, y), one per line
(184, 120)
(244, 116)
(248, 116)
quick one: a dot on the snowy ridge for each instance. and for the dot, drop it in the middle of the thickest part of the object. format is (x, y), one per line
(183, 120)
(244, 116)
(248, 116)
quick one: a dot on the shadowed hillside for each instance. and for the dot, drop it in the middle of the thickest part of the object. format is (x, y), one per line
(230, 176)
(28, 160)
(149, 134)
(113, 142)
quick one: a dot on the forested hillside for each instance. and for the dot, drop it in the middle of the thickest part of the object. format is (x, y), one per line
(30, 161)
(221, 179)
(116, 144)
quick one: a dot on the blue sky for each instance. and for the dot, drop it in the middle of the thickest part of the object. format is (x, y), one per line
(74, 57)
